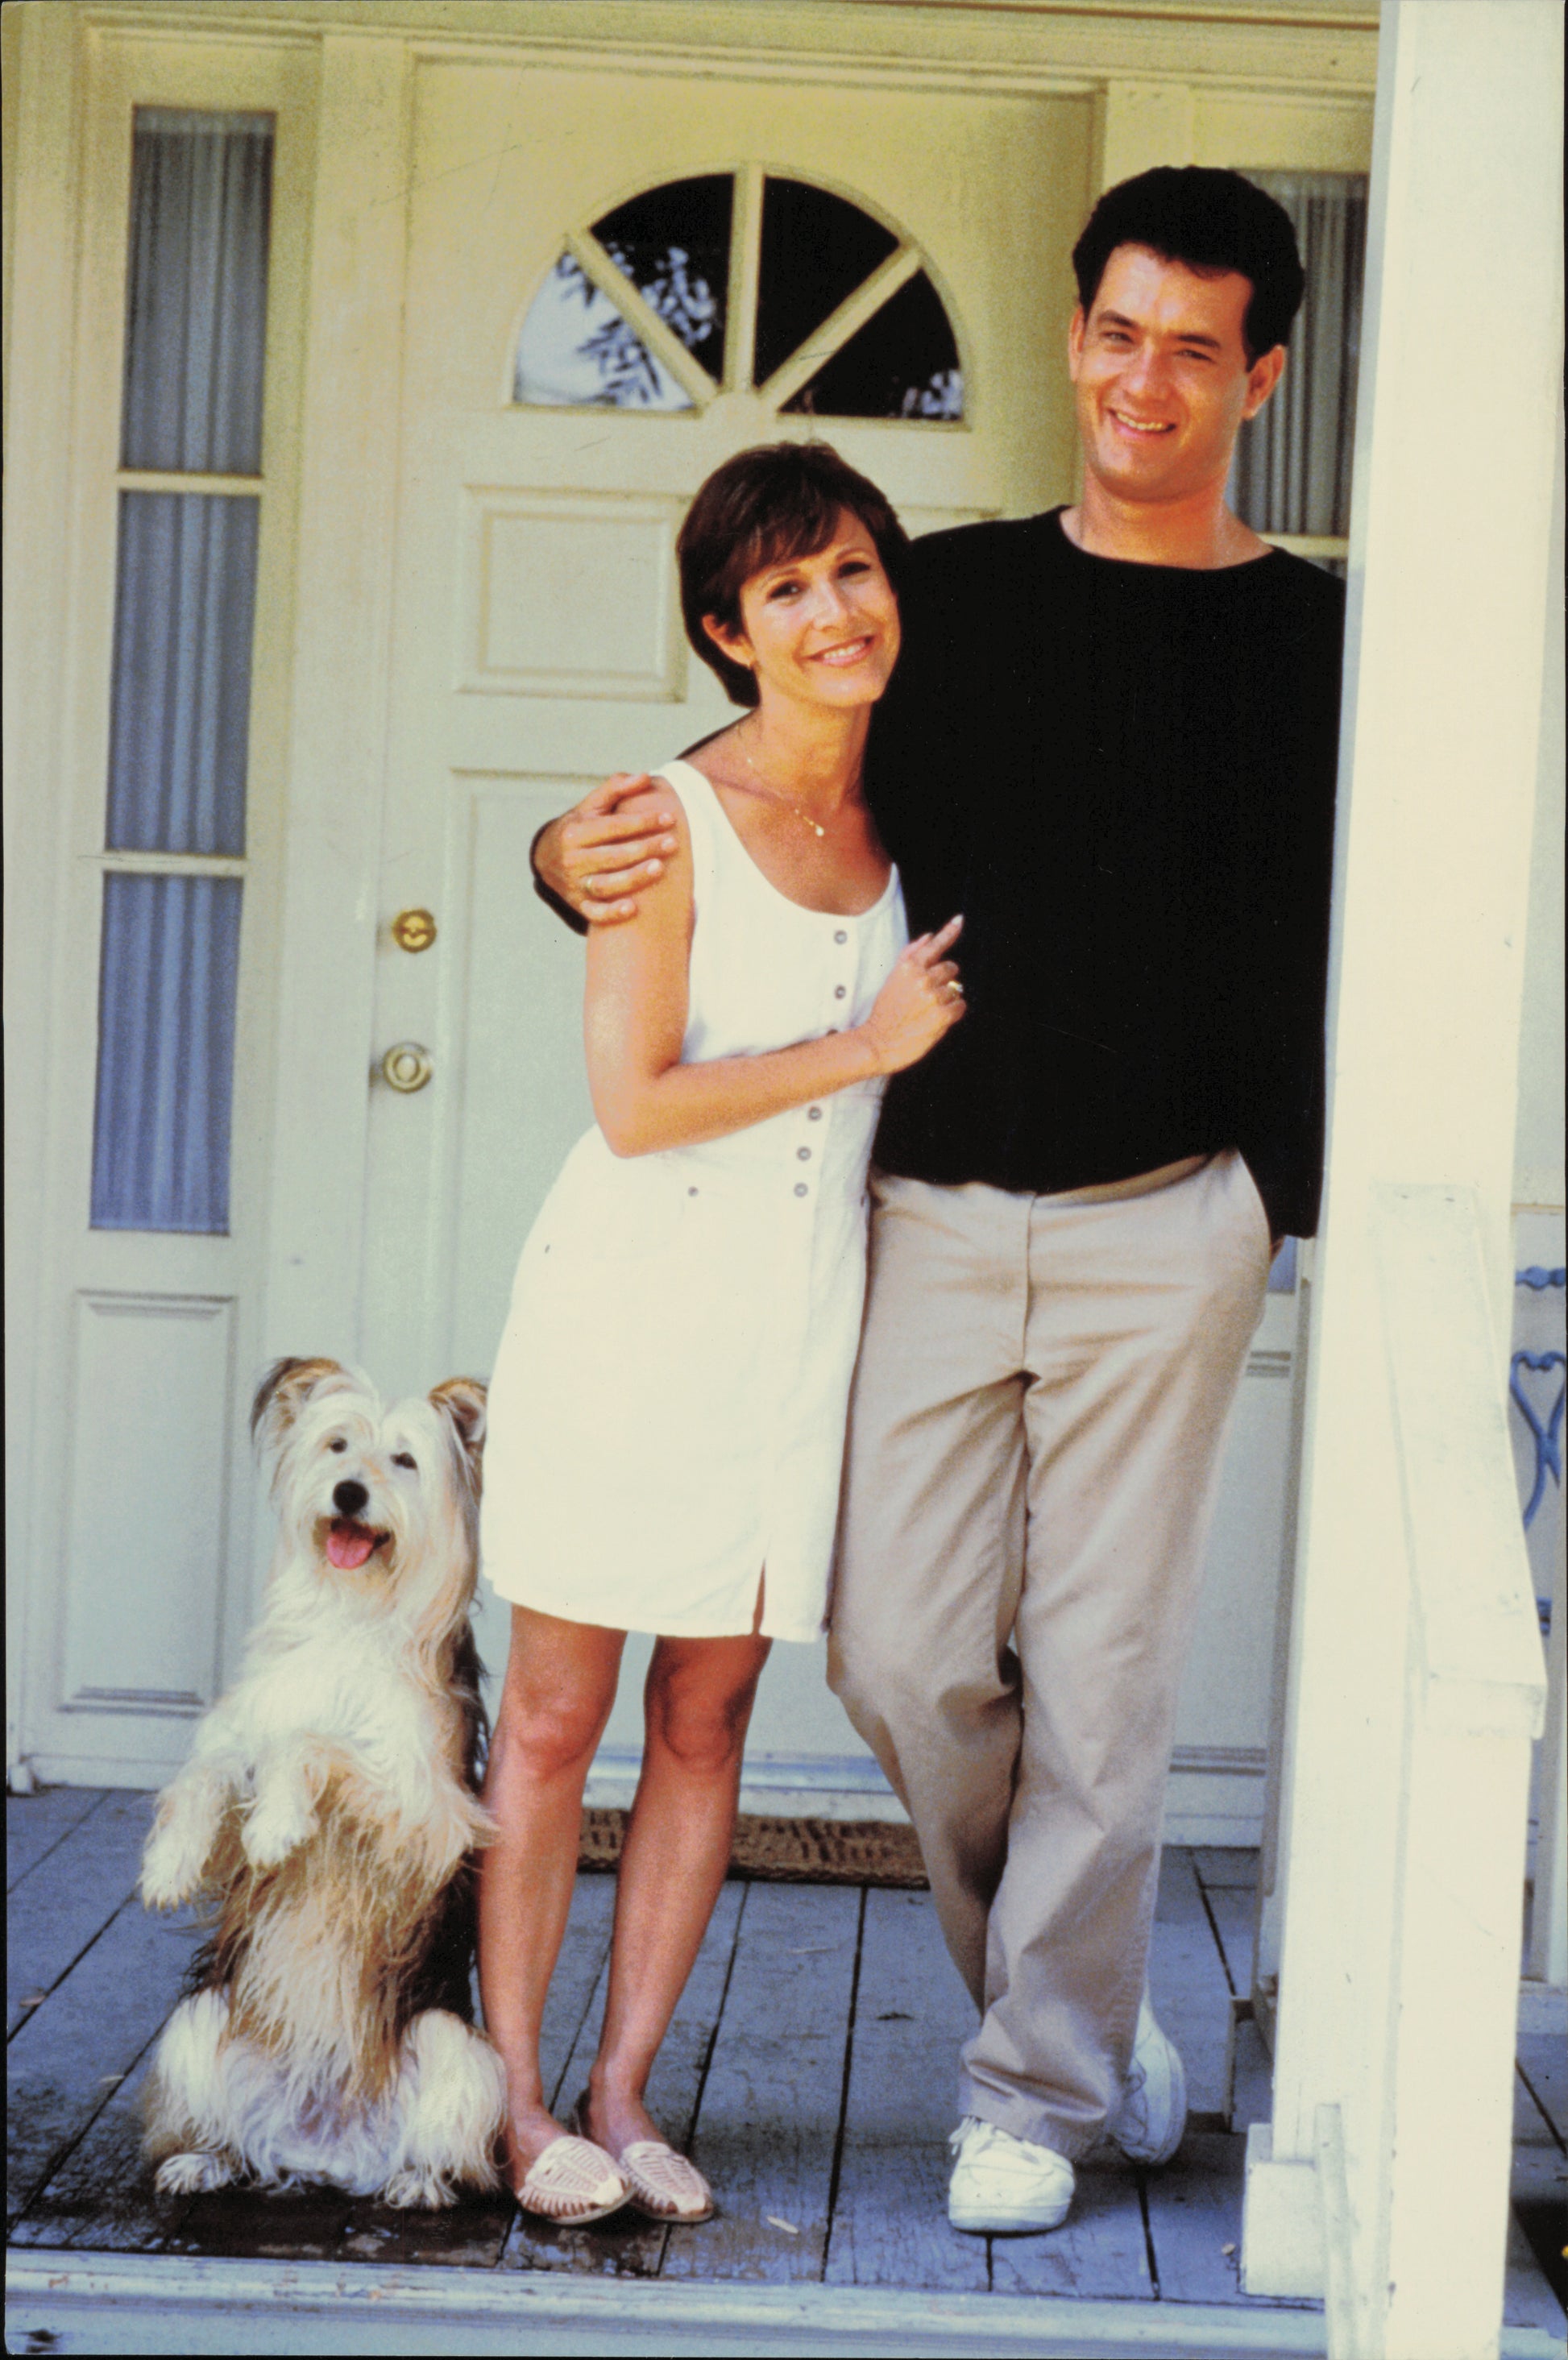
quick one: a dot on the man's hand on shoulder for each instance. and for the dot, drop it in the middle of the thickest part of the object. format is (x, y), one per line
(598, 858)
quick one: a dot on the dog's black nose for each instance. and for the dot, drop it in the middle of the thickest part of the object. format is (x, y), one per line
(349, 1497)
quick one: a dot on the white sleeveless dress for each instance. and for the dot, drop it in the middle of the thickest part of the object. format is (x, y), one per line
(666, 1415)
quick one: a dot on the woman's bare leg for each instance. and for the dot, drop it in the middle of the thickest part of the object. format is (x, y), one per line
(699, 1702)
(560, 1686)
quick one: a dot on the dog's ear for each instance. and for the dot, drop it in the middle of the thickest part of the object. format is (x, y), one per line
(462, 1400)
(282, 1395)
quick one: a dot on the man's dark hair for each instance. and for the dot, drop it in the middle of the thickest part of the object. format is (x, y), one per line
(763, 508)
(1212, 222)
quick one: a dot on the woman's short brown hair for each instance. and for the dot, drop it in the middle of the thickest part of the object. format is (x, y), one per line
(763, 508)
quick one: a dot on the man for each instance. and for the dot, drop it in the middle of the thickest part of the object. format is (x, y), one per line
(1110, 743)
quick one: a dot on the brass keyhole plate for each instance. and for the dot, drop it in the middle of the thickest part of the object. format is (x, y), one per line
(414, 930)
(407, 1066)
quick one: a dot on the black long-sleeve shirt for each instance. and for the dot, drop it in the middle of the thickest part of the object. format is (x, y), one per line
(1124, 776)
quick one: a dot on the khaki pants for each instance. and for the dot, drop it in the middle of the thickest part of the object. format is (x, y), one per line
(1034, 1443)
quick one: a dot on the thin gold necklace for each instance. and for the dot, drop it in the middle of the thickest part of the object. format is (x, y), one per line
(772, 792)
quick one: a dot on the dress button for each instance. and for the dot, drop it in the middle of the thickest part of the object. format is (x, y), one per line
(804, 1154)
(814, 1114)
(841, 936)
(839, 991)
(800, 1188)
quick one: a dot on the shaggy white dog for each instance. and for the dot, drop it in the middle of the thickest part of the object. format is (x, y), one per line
(329, 1811)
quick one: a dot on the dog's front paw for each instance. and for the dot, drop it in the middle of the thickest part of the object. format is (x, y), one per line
(172, 1864)
(194, 2174)
(408, 2189)
(278, 1823)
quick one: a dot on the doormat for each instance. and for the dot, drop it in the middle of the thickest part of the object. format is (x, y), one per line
(789, 1851)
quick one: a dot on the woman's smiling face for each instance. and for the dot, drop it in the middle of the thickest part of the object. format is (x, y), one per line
(821, 629)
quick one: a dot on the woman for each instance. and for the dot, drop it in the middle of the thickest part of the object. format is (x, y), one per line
(695, 1277)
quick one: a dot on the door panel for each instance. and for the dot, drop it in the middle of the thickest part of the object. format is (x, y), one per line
(153, 1398)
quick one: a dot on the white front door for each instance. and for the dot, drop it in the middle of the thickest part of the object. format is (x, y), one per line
(537, 635)
(555, 423)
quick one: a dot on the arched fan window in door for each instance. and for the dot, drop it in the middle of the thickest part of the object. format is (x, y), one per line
(744, 281)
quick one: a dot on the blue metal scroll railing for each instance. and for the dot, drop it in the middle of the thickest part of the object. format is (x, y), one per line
(1543, 1422)
(1546, 1432)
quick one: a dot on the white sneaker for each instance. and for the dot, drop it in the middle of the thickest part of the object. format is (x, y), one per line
(1005, 2183)
(1148, 2123)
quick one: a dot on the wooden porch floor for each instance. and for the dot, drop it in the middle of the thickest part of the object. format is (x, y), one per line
(810, 2071)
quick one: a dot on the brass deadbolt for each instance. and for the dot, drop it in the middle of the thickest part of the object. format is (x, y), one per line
(406, 1067)
(414, 930)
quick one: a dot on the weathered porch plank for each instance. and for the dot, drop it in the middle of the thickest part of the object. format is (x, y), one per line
(69, 1897)
(1543, 2062)
(768, 2129)
(1251, 2092)
(1226, 1867)
(1100, 2253)
(585, 1948)
(100, 2197)
(1187, 1982)
(35, 1823)
(890, 2224)
(75, 2049)
(1528, 2298)
(298, 2224)
(1195, 2222)
(628, 2244)
(1231, 1909)
(1538, 2180)
(467, 2235)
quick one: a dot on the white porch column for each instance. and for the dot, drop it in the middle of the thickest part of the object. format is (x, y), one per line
(1446, 635)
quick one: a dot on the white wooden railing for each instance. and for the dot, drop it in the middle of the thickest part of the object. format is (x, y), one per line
(1394, 2206)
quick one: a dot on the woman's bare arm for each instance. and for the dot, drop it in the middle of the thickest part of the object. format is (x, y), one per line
(635, 1020)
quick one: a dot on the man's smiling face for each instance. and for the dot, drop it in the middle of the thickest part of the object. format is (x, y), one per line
(1162, 376)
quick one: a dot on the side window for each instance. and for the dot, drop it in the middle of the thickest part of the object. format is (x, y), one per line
(747, 282)
(1291, 478)
(174, 835)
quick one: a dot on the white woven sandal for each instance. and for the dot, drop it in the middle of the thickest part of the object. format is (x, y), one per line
(572, 2182)
(663, 2184)
(666, 2185)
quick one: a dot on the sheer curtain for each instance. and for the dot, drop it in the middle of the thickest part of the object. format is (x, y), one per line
(1292, 467)
(196, 292)
(165, 1017)
(179, 712)
(180, 699)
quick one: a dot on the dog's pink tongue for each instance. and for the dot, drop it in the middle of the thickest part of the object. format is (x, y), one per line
(348, 1544)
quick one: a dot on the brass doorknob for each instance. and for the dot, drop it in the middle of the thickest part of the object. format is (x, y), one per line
(406, 1067)
(414, 930)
